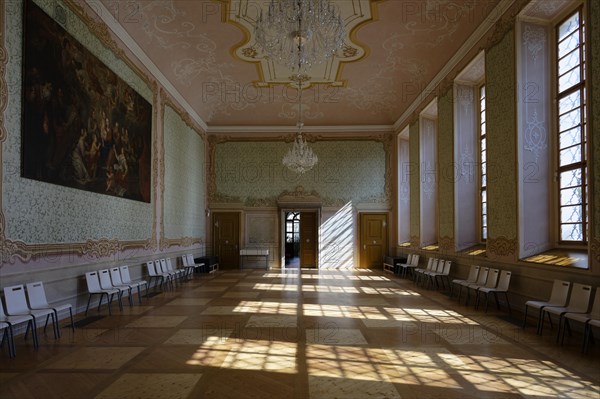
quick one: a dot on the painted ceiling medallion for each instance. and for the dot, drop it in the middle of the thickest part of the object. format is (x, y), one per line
(245, 13)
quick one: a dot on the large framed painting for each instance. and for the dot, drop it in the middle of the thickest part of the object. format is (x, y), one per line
(83, 126)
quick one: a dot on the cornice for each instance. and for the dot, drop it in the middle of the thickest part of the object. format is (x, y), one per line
(479, 33)
(106, 16)
(217, 130)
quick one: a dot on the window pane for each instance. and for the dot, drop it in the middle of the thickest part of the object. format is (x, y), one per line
(569, 120)
(570, 196)
(570, 155)
(484, 233)
(569, 102)
(570, 214)
(484, 196)
(569, 80)
(571, 232)
(569, 61)
(570, 178)
(569, 26)
(568, 44)
(570, 137)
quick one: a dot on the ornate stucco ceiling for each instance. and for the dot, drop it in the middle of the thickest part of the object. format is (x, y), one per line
(203, 52)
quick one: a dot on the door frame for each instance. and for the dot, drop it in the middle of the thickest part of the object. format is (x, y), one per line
(282, 211)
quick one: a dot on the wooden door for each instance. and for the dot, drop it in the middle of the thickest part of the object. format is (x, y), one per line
(308, 239)
(373, 239)
(226, 239)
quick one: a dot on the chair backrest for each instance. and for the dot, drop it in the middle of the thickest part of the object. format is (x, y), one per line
(595, 312)
(150, 267)
(163, 266)
(504, 281)
(446, 269)
(104, 276)
(115, 276)
(125, 277)
(157, 267)
(191, 261)
(482, 277)
(440, 266)
(2, 312)
(429, 263)
(434, 265)
(91, 278)
(492, 278)
(169, 265)
(560, 293)
(473, 273)
(579, 302)
(185, 260)
(37, 295)
(415, 260)
(16, 303)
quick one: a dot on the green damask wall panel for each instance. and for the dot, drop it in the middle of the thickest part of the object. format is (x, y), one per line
(184, 179)
(446, 168)
(252, 173)
(415, 184)
(501, 138)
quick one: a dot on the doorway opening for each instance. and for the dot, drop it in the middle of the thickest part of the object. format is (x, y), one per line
(292, 239)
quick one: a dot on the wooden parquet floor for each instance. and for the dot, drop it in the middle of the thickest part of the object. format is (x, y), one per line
(300, 334)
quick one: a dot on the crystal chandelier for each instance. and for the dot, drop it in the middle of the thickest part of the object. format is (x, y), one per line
(299, 34)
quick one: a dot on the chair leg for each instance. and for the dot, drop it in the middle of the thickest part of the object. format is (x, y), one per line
(72, 322)
(560, 320)
(540, 321)
(139, 294)
(496, 298)
(108, 301)
(88, 304)
(508, 303)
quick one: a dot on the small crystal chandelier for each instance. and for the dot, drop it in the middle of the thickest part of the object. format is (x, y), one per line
(299, 34)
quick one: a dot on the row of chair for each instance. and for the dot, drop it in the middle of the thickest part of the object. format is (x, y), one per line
(162, 270)
(412, 262)
(26, 305)
(111, 282)
(568, 302)
(484, 280)
(435, 269)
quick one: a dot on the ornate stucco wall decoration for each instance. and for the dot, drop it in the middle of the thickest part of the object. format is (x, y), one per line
(502, 247)
(244, 14)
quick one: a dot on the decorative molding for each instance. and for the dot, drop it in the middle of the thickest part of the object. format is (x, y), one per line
(307, 129)
(595, 251)
(446, 244)
(505, 23)
(166, 100)
(415, 242)
(438, 81)
(3, 86)
(106, 16)
(502, 246)
(534, 38)
(181, 242)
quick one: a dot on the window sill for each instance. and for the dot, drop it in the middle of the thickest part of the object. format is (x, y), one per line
(561, 257)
